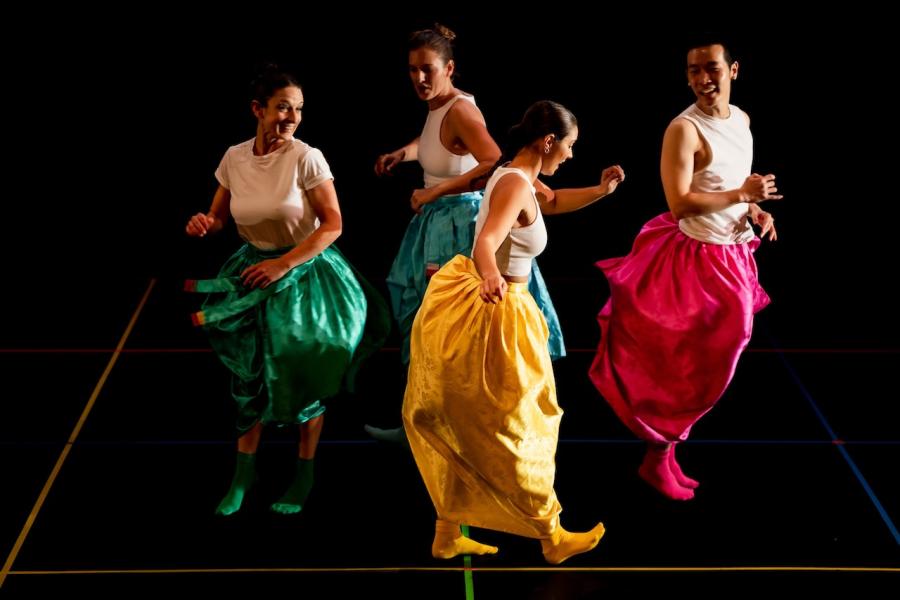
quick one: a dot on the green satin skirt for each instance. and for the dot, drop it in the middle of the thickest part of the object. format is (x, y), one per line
(295, 343)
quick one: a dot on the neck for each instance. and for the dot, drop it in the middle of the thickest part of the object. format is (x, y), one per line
(265, 145)
(528, 160)
(442, 98)
(719, 110)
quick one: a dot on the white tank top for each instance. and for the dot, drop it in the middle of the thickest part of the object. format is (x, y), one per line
(522, 244)
(731, 146)
(439, 163)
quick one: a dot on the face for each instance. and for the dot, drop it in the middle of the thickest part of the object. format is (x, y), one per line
(279, 118)
(559, 151)
(429, 75)
(710, 76)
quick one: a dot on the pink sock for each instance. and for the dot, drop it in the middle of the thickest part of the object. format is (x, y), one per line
(680, 477)
(655, 471)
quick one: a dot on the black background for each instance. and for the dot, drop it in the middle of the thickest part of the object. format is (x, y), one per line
(115, 132)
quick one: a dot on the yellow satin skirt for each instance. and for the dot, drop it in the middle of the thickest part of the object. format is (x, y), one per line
(480, 408)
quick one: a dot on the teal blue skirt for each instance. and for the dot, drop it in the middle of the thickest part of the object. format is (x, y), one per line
(445, 228)
(295, 343)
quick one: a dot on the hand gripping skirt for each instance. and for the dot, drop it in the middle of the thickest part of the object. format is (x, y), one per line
(445, 228)
(480, 409)
(295, 343)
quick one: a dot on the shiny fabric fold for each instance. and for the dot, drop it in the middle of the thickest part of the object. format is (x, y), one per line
(679, 315)
(538, 290)
(295, 343)
(445, 228)
(480, 409)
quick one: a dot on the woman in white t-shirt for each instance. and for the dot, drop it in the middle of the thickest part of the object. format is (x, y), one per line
(287, 314)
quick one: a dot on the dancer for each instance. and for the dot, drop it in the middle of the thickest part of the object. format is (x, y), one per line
(287, 314)
(456, 153)
(682, 302)
(480, 407)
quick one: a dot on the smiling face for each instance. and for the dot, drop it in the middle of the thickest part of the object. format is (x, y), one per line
(279, 118)
(559, 151)
(710, 77)
(430, 75)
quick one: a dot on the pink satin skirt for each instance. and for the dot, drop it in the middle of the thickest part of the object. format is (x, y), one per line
(679, 315)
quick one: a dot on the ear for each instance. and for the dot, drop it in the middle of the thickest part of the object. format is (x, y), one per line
(548, 142)
(451, 67)
(257, 108)
(734, 69)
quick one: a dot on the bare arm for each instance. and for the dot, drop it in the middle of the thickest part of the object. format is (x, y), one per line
(324, 202)
(466, 126)
(213, 221)
(680, 144)
(571, 199)
(507, 201)
(386, 162)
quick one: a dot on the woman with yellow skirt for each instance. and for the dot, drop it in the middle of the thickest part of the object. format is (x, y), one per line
(480, 409)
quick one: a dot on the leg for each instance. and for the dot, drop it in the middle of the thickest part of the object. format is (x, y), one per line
(396, 435)
(244, 472)
(295, 497)
(449, 542)
(680, 477)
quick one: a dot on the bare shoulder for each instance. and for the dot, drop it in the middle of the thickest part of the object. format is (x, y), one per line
(464, 110)
(681, 127)
(681, 132)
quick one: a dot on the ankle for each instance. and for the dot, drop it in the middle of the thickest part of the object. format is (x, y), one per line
(446, 530)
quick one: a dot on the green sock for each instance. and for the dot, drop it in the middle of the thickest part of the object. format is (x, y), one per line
(244, 478)
(396, 436)
(295, 497)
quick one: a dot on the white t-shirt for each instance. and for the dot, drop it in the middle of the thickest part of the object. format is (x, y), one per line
(269, 200)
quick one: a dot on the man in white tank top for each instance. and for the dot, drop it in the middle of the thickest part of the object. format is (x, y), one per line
(682, 302)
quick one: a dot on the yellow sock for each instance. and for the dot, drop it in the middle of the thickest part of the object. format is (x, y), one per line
(563, 544)
(449, 542)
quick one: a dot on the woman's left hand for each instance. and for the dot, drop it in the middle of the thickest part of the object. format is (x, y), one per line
(264, 273)
(765, 221)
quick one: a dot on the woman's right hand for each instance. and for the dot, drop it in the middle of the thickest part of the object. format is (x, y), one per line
(493, 288)
(200, 224)
(386, 162)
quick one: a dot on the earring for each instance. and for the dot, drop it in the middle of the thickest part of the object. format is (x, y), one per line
(547, 150)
